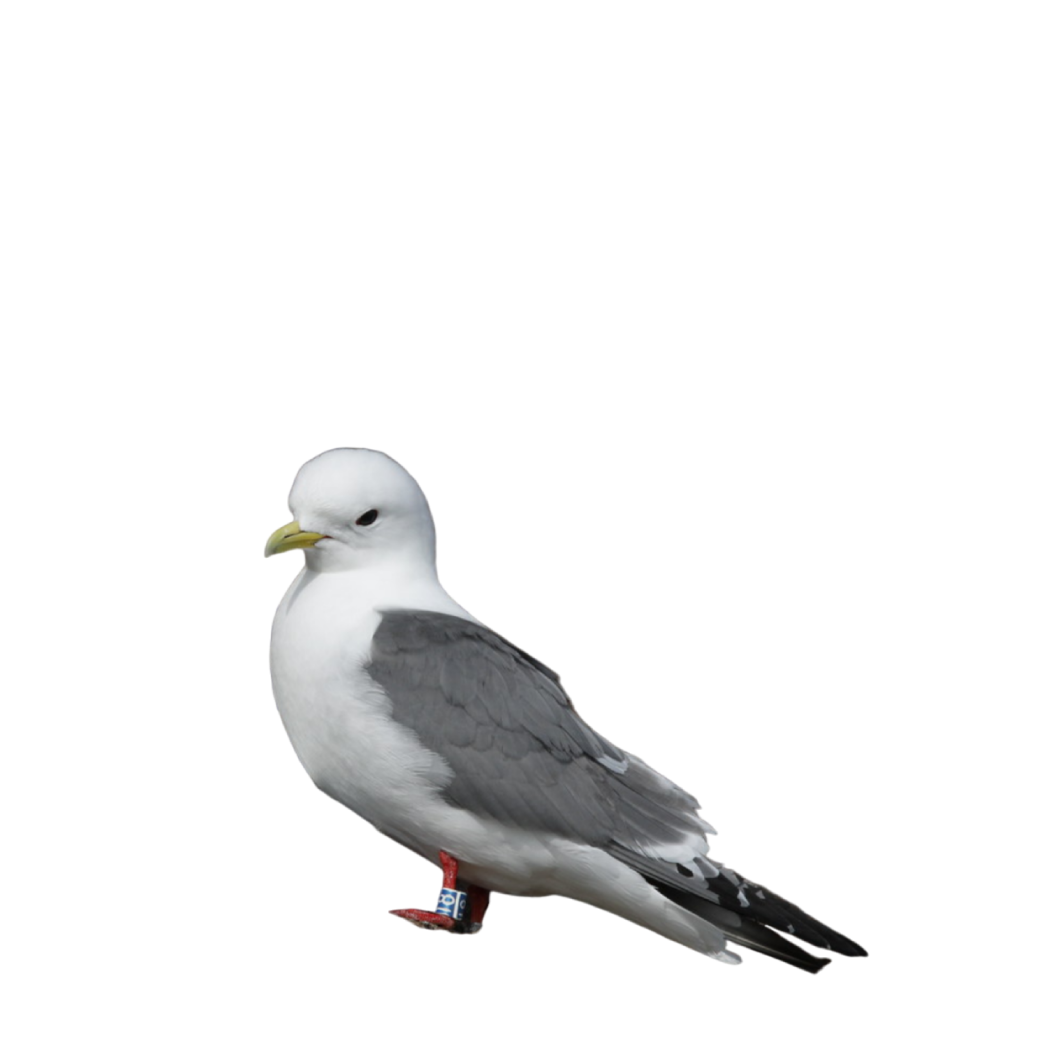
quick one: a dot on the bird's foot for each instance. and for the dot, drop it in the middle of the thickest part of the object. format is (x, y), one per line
(431, 920)
(457, 911)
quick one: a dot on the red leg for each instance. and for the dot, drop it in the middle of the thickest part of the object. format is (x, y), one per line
(478, 906)
(450, 867)
(479, 899)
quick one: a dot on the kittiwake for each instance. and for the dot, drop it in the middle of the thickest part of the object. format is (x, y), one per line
(449, 739)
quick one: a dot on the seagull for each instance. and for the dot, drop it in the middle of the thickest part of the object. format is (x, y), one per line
(462, 747)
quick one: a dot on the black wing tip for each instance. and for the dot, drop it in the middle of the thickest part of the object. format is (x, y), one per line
(770, 942)
(849, 949)
(817, 965)
(764, 940)
(827, 939)
(753, 929)
(780, 913)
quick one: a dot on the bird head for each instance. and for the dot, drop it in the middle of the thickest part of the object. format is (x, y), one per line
(356, 508)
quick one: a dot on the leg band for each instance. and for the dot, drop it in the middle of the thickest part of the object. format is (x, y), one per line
(452, 903)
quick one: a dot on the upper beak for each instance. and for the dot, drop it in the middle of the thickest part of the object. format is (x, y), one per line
(291, 536)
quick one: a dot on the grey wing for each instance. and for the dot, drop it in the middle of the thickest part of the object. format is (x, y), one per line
(520, 753)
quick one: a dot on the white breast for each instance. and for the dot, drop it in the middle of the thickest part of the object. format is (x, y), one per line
(338, 719)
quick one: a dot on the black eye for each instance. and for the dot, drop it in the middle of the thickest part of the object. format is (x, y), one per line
(367, 518)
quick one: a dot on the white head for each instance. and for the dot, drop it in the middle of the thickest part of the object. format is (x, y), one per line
(356, 508)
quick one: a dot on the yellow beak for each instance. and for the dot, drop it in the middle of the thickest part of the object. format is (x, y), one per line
(291, 536)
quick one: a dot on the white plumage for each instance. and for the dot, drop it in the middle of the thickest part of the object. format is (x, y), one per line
(369, 545)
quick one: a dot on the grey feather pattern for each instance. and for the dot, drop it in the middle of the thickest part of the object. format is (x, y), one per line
(518, 750)
(520, 754)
